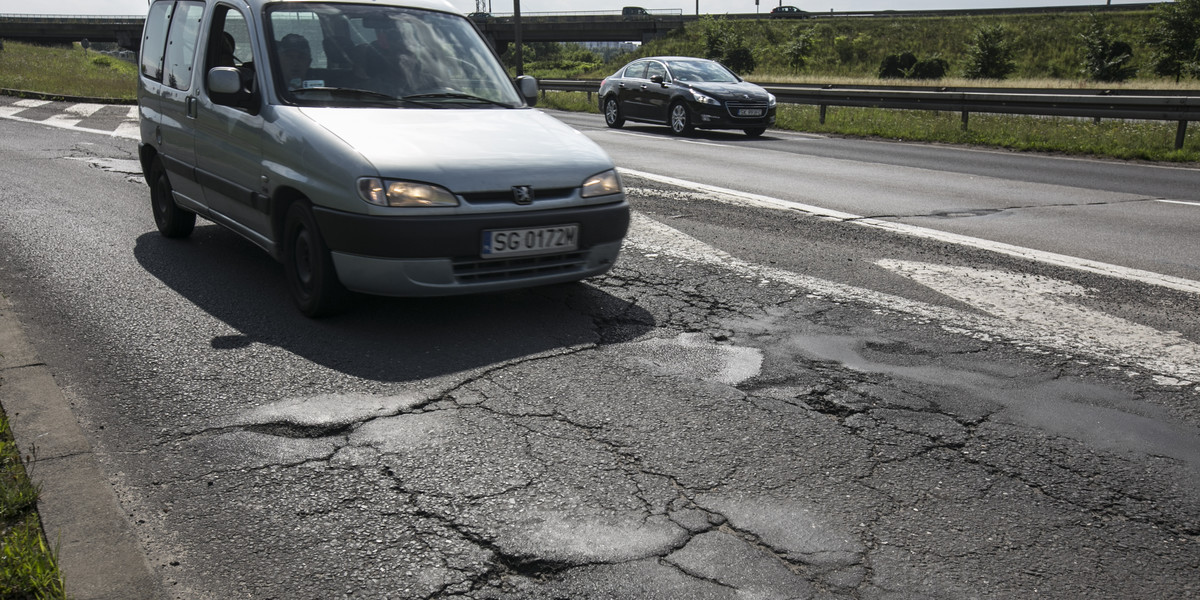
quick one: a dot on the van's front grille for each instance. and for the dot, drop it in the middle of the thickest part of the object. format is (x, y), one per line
(507, 196)
(508, 269)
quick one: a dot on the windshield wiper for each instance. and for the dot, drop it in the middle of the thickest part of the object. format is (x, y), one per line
(455, 96)
(354, 92)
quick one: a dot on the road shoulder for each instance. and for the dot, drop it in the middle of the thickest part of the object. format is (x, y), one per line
(97, 548)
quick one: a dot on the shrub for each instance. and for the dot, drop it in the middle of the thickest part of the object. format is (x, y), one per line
(907, 66)
(1106, 59)
(934, 68)
(989, 55)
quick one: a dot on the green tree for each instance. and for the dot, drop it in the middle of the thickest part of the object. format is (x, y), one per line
(713, 31)
(1174, 35)
(725, 44)
(801, 47)
(990, 55)
(1105, 59)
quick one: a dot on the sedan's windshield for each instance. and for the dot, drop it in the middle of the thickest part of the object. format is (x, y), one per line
(340, 54)
(698, 71)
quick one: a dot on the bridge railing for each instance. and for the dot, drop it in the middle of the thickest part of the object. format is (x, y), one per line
(1151, 105)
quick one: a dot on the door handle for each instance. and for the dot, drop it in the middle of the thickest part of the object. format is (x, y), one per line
(191, 107)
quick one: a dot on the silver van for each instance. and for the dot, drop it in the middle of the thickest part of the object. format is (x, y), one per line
(372, 146)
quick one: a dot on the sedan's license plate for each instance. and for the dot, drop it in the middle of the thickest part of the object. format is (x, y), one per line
(530, 241)
(750, 112)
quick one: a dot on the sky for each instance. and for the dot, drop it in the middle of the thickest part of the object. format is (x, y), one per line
(138, 7)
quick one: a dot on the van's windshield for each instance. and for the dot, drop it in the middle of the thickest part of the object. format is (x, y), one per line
(352, 54)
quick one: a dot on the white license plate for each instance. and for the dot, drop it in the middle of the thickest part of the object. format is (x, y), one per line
(530, 241)
(750, 112)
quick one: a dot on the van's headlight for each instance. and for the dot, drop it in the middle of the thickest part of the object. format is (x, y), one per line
(770, 100)
(602, 184)
(404, 193)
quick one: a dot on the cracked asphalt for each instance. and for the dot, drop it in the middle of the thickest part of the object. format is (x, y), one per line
(680, 428)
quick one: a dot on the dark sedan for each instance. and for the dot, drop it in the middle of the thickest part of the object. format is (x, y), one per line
(685, 94)
(787, 12)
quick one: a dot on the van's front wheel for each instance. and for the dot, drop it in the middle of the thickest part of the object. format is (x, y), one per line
(308, 265)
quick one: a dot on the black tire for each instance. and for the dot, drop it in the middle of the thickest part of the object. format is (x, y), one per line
(612, 113)
(172, 221)
(680, 119)
(308, 266)
(755, 131)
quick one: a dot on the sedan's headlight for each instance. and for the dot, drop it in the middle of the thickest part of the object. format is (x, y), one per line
(602, 184)
(771, 100)
(404, 193)
(702, 99)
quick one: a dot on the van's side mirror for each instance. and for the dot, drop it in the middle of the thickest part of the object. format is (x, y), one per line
(529, 89)
(225, 88)
(224, 80)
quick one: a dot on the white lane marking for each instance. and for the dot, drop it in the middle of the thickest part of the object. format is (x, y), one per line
(72, 115)
(1179, 202)
(637, 135)
(729, 196)
(1156, 352)
(705, 143)
(1044, 307)
(125, 130)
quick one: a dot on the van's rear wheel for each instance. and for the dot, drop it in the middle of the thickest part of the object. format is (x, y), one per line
(308, 265)
(172, 221)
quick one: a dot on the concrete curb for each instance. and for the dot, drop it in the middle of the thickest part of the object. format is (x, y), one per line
(63, 98)
(98, 551)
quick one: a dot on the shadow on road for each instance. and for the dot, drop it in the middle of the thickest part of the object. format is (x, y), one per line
(383, 339)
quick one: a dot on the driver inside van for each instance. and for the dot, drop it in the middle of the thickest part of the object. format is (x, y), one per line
(295, 56)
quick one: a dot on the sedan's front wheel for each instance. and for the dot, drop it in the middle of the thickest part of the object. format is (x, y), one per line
(681, 120)
(612, 113)
(311, 276)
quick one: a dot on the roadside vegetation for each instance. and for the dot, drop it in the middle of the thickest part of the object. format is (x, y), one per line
(66, 71)
(28, 565)
(1133, 49)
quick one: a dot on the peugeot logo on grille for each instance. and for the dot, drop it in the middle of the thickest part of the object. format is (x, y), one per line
(523, 194)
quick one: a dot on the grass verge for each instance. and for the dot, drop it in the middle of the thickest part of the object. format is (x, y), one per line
(1112, 138)
(66, 71)
(28, 565)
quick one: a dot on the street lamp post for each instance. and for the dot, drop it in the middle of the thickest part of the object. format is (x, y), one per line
(517, 24)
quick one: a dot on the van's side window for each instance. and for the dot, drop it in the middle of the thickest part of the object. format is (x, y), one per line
(155, 40)
(181, 43)
(229, 43)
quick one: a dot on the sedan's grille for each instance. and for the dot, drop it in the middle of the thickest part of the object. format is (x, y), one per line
(479, 270)
(734, 107)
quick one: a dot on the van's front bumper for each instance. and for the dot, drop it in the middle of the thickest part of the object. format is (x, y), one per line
(440, 256)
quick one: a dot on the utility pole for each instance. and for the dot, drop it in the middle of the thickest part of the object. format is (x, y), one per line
(517, 24)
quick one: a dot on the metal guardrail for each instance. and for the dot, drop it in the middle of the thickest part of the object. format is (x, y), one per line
(1150, 105)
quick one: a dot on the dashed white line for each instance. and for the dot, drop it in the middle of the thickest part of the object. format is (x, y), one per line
(1178, 202)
